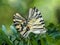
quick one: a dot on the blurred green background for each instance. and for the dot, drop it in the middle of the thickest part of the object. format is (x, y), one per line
(50, 10)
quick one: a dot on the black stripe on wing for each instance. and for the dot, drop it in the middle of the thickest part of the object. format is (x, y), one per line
(17, 19)
(37, 15)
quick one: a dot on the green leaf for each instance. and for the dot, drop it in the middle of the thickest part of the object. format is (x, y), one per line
(5, 38)
(4, 29)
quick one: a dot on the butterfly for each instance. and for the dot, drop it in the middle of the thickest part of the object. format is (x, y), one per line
(34, 23)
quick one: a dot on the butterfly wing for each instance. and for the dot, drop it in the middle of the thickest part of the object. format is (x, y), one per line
(36, 21)
(19, 23)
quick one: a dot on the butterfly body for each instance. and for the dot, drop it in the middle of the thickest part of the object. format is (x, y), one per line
(34, 23)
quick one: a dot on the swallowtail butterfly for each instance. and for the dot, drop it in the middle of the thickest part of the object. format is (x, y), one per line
(34, 23)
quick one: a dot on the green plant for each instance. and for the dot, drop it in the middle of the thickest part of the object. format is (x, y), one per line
(49, 38)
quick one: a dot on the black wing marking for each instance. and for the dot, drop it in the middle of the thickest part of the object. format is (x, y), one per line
(18, 21)
(36, 20)
(34, 13)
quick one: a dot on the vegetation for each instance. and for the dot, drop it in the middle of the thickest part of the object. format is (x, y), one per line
(50, 11)
(51, 37)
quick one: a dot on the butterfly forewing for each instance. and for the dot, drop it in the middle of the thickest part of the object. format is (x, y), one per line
(36, 22)
(18, 21)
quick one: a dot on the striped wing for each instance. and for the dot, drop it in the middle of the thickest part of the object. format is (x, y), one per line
(18, 22)
(36, 21)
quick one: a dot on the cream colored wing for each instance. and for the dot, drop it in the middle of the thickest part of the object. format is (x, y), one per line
(19, 22)
(36, 21)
